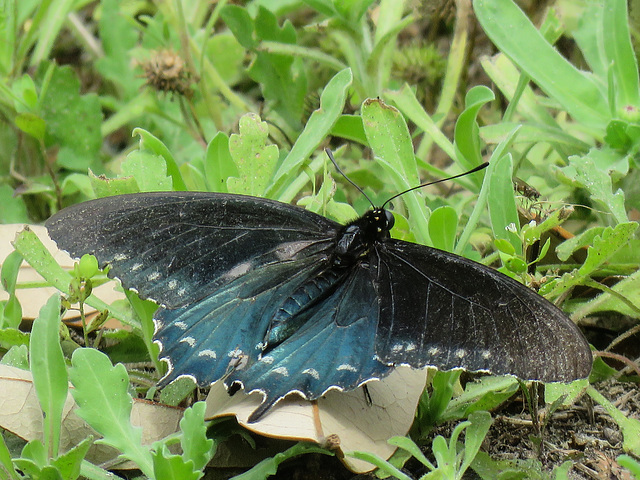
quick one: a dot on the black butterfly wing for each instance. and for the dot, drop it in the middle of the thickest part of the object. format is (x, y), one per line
(178, 247)
(335, 348)
(444, 310)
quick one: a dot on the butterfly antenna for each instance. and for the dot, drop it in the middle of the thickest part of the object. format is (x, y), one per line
(473, 170)
(333, 160)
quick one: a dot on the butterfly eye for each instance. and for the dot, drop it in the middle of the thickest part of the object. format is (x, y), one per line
(390, 219)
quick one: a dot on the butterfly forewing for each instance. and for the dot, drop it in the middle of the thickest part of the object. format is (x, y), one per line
(178, 247)
(444, 310)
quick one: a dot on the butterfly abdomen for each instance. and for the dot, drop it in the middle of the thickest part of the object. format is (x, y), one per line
(290, 315)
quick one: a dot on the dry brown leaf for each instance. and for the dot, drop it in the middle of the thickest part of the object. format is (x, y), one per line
(347, 415)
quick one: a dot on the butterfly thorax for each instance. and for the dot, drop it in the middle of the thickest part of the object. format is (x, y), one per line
(353, 243)
(356, 238)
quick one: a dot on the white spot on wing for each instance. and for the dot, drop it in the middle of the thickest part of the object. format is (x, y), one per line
(281, 371)
(410, 347)
(460, 353)
(153, 276)
(486, 354)
(181, 325)
(207, 353)
(120, 257)
(346, 366)
(189, 341)
(434, 351)
(397, 348)
(312, 372)
(137, 266)
(268, 359)
(182, 291)
(173, 284)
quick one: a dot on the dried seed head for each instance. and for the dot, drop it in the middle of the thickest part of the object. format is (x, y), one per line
(166, 72)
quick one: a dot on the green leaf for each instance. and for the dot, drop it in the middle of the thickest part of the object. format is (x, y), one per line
(72, 120)
(502, 202)
(269, 466)
(17, 356)
(466, 133)
(240, 23)
(384, 466)
(6, 464)
(36, 255)
(513, 33)
(584, 172)
(254, 159)
(630, 464)
(196, 447)
(107, 187)
(149, 170)
(389, 138)
(101, 392)
(219, 164)
(620, 54)
(282, 77)
(118, 38)
(154, 145)
(473, 438)
(31, 124)
(604, 246)
(167, 466)
(318, 126)
(443, 224)
(49, 371)
(68, 464)
(13, 208)
(9, 272)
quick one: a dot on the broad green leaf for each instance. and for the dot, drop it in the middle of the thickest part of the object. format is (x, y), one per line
(254, 159)
(630, 464)
(514, 34)
(72, 121)
(31, 124)
(240, 23)
(473, 438)
(620, 54)
(410, 446)
(389, 138)
(107, 187)
(49, 371)
(149, 170)
(466, 134)
(628, 292)
(269, 466)
(118, 39)
(502, 203)
(101, 392)
(9, 272)
(196, 447)
(6, 464)
(154, 145)
(318, 126)
(219, 164)
(17, 356)
(13, 208)
(68, 464)
(443, 225)
(604, 246)
(583, 171)
(167, 466)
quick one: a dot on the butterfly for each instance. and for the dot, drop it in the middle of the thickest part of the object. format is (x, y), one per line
(273, 298)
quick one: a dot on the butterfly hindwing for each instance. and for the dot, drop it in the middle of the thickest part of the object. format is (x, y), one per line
(335, 348)
(457, 313)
